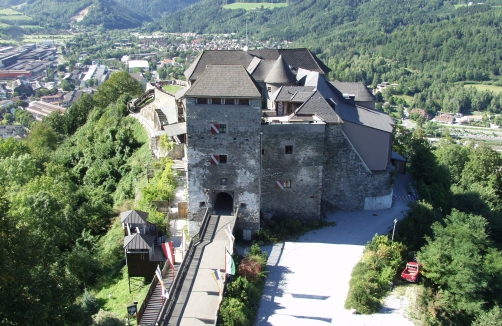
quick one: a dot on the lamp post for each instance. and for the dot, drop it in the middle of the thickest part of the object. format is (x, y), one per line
(394, 230)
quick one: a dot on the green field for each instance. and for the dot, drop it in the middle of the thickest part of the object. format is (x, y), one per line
(12, 15)
(407, 98)
(171, 88)
(254, 5)
(484, 87)
(39, 38)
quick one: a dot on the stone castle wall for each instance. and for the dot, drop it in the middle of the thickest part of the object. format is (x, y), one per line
(303, 169)
(347, 183)
(241, 144)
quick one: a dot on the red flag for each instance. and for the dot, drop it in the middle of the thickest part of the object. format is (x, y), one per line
(168, 251)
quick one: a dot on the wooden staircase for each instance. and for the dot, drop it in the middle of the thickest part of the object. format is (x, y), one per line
(155, 301)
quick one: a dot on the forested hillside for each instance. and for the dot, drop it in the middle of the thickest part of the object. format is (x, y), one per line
(57, 13)
(59, 191)
(427, 47)
(156, 8)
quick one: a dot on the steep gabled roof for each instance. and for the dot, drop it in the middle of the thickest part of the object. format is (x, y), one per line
(225, 81)
(361, 92)
(293, 93)
(296, 58)
(364, 116)
(217, 57)
(138, 241)
(280, 73)
(133, 217)
(317, 105)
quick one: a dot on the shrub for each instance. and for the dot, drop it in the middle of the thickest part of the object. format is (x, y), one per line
(242, 298)
(249, 269)
(372, 275)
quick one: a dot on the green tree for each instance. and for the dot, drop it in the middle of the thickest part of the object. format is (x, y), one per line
(67, 86)
(8, 119)
(12, 146)
(119, 83)
(456, 260)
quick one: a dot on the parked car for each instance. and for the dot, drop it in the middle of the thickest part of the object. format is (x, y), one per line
(412, 272)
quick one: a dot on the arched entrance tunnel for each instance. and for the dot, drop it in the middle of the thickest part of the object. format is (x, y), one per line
(224, 203)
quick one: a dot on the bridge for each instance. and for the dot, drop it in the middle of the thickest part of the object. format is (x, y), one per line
(193, 295)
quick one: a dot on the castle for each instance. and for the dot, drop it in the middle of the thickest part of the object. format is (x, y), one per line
(266, 133)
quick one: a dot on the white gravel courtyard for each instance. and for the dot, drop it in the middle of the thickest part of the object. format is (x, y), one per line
(308, 280)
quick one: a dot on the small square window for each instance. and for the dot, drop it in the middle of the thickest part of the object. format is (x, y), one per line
(288, 150)
(216, 101)
(287, 183)
(202, 204)
(223, 181)
(269, 89)
(223, 129)
(223, 159)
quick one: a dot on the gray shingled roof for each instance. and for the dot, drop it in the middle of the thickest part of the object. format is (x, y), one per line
(253, 65)
(361, 92)
(225, 81)
(175, 129)
(217, 57)
(364, 116)
(136, 217)
(316, 104)
(280, 73)
(296, 58)
(293, 93)
(261, 71)
(138, 241)
(397, 156)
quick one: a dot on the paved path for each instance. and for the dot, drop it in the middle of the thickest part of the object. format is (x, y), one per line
(308, 280)
(198, 300)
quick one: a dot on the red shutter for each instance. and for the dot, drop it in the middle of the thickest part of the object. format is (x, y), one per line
(215, 128)
(279, 185)
(215, 159)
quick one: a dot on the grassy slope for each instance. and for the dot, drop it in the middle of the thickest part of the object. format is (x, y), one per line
(485, 87)
(171, 88)
(115, 280)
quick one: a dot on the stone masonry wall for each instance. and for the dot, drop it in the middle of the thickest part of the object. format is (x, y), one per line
(161, 98)
(241, 143)
(347, 183)
(303, 168)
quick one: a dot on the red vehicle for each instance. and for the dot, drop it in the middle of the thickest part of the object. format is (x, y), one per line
(412, 272)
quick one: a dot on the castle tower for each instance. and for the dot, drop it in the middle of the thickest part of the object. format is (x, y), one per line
(223, 117)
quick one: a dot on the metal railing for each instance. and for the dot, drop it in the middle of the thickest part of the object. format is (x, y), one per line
(236, 215)
(151, 289)
(182, 270)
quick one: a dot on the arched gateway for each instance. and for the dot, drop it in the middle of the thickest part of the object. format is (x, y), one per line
(223, 204)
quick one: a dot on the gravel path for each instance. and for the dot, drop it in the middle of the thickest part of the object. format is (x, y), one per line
(308, 280)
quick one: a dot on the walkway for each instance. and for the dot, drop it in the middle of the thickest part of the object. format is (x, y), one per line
(198, 300)
(308, 280)
(155, 303)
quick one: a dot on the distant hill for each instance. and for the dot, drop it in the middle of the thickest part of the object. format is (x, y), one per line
(156, 8)
(413, 42)
(57, 13)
